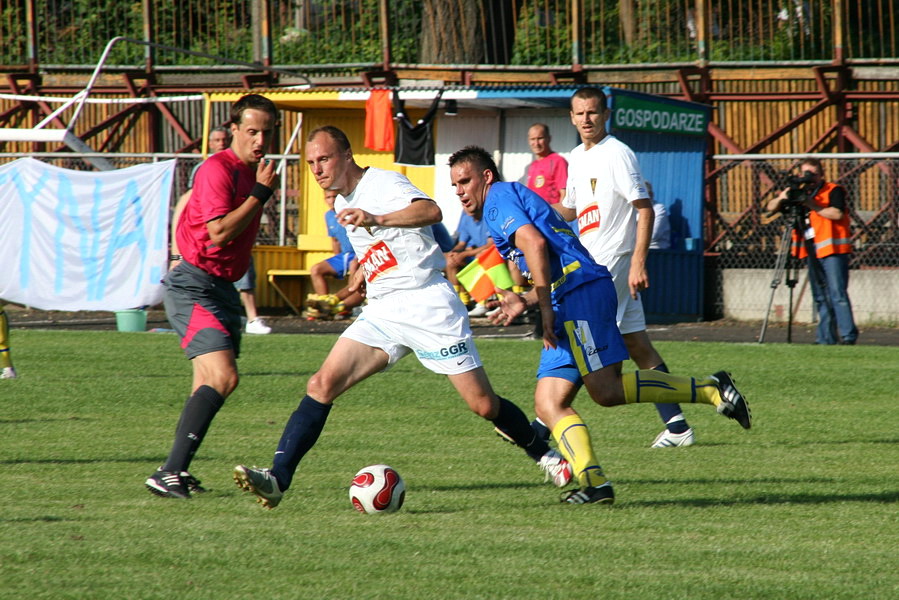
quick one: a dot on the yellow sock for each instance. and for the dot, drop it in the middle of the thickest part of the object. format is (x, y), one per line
(5, 360)
(574, 443)
(651, 386)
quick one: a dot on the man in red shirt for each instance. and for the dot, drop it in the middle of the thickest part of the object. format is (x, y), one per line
(547, 177)
(215, 235)
(548, 174)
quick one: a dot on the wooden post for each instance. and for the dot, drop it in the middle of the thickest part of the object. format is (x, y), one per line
(262, 32)
(839, 48)
(703, 17)
(577, 50)
(31, 35)
(384, 15)
(149, 51)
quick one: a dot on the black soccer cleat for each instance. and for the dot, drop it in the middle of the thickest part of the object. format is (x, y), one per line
(602, 494)
(167, 484)
(192, 483)
(733, 404)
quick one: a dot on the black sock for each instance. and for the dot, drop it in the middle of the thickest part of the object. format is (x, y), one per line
(541, 430)
(300, 434)
(514, 424)
(199, 410)
(669, 411)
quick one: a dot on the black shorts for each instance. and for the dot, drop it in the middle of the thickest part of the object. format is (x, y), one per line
(204, 310)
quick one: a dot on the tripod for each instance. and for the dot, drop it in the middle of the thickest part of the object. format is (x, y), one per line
(786, 264)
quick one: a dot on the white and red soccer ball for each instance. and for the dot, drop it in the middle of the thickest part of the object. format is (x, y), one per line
(377, 489)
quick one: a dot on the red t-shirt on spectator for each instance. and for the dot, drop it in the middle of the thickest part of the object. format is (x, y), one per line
(547, 176)
(222, 184)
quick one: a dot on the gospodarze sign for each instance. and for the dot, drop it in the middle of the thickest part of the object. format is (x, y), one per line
(638, 114)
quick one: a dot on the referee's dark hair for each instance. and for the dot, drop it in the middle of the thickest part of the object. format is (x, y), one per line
(256, 102)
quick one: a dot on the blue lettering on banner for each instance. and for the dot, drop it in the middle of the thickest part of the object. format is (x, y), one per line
(83, 238)
(66, 216)
(162, 230)
(28, 199)
(131, 201)
(88, 231)
(449, 352)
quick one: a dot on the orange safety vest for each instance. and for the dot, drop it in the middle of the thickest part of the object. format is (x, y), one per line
(831, 237)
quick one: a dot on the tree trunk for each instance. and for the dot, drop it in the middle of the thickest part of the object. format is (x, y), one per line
(468, 31)
(628, 21)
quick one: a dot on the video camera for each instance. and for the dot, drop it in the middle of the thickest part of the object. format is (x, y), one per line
(799, 186)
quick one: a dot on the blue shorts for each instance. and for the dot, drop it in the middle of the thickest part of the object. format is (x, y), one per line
(341, 263)
(587, 331)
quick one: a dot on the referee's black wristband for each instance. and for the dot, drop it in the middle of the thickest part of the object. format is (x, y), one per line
(262, 192)
(174, 257)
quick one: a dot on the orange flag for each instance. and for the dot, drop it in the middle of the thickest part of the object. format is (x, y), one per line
(486, 271)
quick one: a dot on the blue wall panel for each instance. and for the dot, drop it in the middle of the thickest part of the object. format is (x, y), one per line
(674, 165)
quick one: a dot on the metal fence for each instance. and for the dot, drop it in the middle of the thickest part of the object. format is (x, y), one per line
(745, 237)
(343, 35)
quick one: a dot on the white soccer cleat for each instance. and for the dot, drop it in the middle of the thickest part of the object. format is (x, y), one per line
(260, 482)
(666, 439)
(479, 310)
(8, 373)
(258, 327)
(556, 468)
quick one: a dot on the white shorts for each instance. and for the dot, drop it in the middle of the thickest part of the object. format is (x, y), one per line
(630, 315)
(431, 322)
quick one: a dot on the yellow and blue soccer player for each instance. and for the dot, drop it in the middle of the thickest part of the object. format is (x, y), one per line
(7, 371)
(581, 341)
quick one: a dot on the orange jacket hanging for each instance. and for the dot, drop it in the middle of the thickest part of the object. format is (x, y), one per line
(379, 121)
(831, 237)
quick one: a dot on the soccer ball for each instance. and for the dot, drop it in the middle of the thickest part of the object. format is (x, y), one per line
(377, 489)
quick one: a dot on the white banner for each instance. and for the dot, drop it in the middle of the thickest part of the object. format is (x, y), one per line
(74, 240)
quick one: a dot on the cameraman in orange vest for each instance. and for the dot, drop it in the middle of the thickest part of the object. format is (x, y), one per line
(827, 245)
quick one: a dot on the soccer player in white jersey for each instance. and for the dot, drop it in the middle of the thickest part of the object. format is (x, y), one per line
(606, 192)
(411, 308)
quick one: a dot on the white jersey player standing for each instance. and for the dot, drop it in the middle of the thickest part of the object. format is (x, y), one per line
(411, 308)
(606, 192)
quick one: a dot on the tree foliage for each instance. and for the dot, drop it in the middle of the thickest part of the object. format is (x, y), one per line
(517, 32)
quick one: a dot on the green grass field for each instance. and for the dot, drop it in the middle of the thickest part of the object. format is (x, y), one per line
(802, 506)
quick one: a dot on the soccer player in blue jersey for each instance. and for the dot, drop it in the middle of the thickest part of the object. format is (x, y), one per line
(581, 341)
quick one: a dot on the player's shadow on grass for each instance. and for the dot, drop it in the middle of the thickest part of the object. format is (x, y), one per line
(81, 461)
(23, 421)
(791, 443)
(825, 442)
(772, 498)
(47, 519)
(483, 486)
(260, 373)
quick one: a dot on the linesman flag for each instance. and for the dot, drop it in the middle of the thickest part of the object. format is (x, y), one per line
(487, 270)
